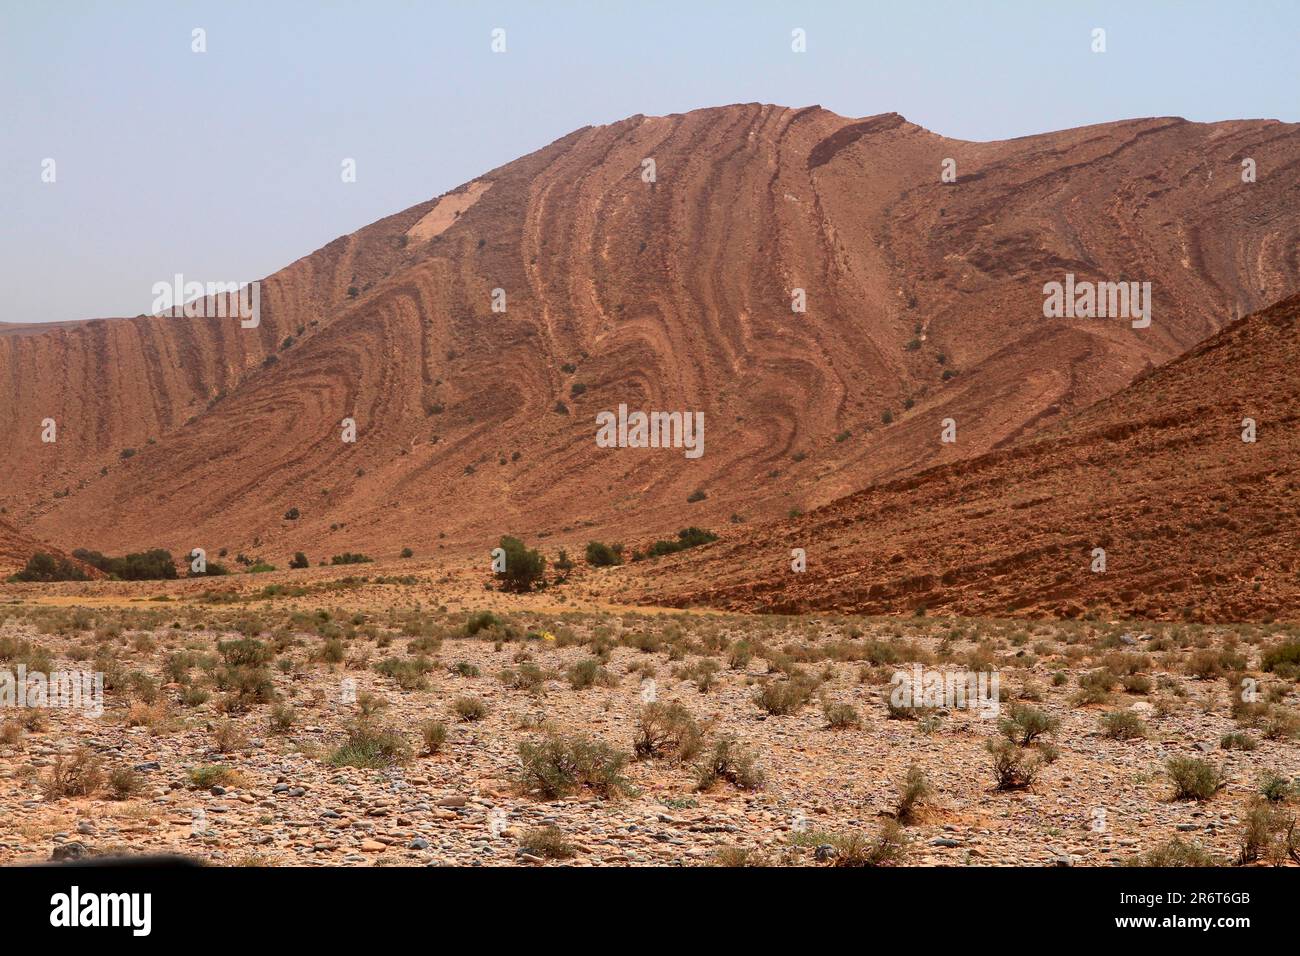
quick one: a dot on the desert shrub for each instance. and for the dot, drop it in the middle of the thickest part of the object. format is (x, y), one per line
(434, 735)
(1268, 833)
(1205, 664)
(77, 775)
(559, 765)
(246, 686)
(44, 567)
(348, 557)
(703, 672)
(913, 791)
(282, 718)
(1136, 684)
(1014, 768)
(1026, 724)
(372, 747)
(154, 565)
(480, 621)
(664, 730)
(730, 762)
(739, 655)
(246, 652)
(1283, 659)
(1238, 740)
(601, 555)
(686, 538)
(1095, 687)
(524, 567)
(733, 857)
(589, 673)
(895, 710)
(1174, 852)
(840, 715)
(370, 705)
(211, 775)
(299, 561)
(1194, 779)
(1279, 723)
(887, 848)
(1123, 725)
(463, 669)
(469, 709)
(781, 697)
(228, 737)
(548, 842)
(124, 783)
(194, 696)
(408, 672)
(527, 676)
(1277, 788)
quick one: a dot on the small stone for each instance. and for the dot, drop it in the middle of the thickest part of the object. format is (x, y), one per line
(69, 851)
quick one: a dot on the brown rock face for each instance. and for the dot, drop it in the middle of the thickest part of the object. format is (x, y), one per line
(672, 295)
(1195, 521)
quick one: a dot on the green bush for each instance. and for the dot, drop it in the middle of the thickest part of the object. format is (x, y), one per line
(841, 716)
(547, 841)
(434, 734)
(154, 565)
(589, 673)
(1123, 725)
(246, 652)
(524, 568)
(887, 848)
(371, 748)
(1174, 852)
(666, 730)
(559, 765)
(1281, 655)
(730, 762)
(1026, 724)
(1014, 768)
(469, 709)
(44, 567)
(1194, 779)
(781, 697)
(347, 557)
(603, 555)
(686, 538)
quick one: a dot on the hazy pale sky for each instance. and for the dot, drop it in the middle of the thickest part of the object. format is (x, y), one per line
(225, 165)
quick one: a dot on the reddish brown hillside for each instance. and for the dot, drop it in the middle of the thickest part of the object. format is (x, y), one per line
(1195, 522)
(671, 295)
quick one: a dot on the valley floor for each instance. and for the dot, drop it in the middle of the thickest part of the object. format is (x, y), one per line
(290, 728)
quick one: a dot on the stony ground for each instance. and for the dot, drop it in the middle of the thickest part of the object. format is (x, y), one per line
(280, 800)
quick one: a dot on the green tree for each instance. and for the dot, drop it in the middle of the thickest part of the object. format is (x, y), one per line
(524, 567)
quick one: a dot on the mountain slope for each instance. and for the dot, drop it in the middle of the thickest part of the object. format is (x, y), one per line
(671, 295)
(1195, 522)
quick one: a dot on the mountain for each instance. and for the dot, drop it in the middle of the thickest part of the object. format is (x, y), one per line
(1195, 522)
(924, 301)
